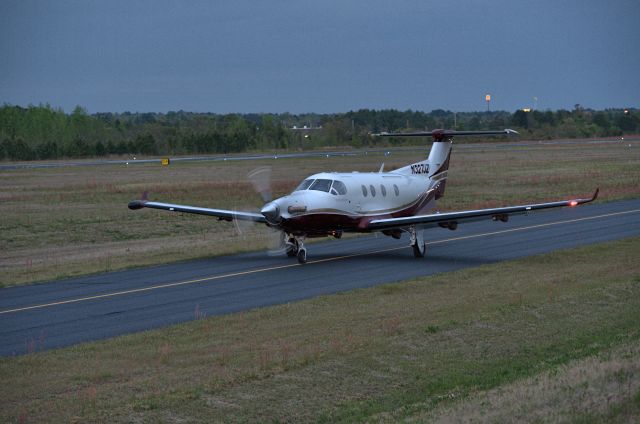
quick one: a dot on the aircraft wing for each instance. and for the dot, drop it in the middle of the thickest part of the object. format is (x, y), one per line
(222, 214)
(451, 219)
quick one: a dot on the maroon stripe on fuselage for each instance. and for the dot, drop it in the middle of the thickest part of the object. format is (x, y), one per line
(444, 167)
(319, 224)
(445, 164)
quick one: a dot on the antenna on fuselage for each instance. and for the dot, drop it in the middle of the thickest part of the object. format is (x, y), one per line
(381, 168)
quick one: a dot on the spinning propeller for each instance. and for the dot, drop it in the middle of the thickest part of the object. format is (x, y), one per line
(260, 179)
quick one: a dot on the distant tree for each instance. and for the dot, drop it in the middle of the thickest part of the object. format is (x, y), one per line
(626, 122)
(122, 148)
(100, 149)
(18, 149)
(44, 132)
(602, 120)
(474, 124)
(110, 148)
(145, 144)
(47, 150)
(520, 119)
(498, 121)
(78, 148)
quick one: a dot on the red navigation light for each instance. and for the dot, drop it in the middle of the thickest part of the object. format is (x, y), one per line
(573, 203)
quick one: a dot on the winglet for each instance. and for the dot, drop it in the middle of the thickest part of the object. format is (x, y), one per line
(139, 204)
(592, 198)
(587, 200)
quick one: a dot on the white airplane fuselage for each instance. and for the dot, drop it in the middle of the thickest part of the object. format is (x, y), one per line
(347, 202)
(368, 196)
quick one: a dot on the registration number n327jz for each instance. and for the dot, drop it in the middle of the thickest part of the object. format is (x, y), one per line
(420, 168)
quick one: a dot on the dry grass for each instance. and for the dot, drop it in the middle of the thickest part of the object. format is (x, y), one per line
(71, 221)
(387, 353)
(603, 388)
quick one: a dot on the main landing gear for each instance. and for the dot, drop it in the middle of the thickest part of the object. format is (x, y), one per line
(417, 242)
(294, 246)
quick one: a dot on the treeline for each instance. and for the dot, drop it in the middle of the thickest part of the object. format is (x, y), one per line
(43, 132)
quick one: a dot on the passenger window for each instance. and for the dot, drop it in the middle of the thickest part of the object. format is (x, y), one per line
(339, 187)
(364, 191)
(373, 190)
(304, 185)
(395, 188)
(383, 190)
(321, 185)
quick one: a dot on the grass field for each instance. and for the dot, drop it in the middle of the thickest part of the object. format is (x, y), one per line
(484, 344)
(70, 221)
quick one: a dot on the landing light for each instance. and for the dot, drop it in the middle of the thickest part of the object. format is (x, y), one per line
(297, 209)
(573, 203)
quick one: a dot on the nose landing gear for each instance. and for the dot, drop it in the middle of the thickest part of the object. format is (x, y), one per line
(295, 247)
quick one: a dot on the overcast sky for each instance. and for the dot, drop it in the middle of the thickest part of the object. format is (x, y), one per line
(319, 56)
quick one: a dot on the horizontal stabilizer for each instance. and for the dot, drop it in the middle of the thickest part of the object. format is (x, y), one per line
(443, 134)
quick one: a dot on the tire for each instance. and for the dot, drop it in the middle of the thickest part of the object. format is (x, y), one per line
(302, 256)
(417, 252)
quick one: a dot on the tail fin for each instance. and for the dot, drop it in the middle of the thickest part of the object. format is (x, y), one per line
(436, 166)
(438, 160)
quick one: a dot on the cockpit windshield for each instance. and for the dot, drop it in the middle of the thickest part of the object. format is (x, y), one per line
(321, 185)
(329, 186)
(304, 185)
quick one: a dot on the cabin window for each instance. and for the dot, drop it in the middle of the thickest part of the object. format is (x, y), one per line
(304, 185)
(338, 187)
(321, 185)
(383, 190)
(373, 190)
(364, 191)
(395, 188)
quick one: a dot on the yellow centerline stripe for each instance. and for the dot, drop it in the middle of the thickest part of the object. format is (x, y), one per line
(335, 258)
(143, 289)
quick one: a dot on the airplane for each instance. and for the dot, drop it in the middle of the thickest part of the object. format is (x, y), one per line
(393, 203)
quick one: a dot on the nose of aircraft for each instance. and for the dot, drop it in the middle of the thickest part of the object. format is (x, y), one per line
(271, 211)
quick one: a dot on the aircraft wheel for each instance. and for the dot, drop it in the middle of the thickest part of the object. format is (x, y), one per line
(419, 250)
(302, 256)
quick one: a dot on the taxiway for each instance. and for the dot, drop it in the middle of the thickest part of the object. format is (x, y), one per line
(62, 313)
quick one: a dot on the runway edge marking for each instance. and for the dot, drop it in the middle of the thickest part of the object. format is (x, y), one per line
(236, 274)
